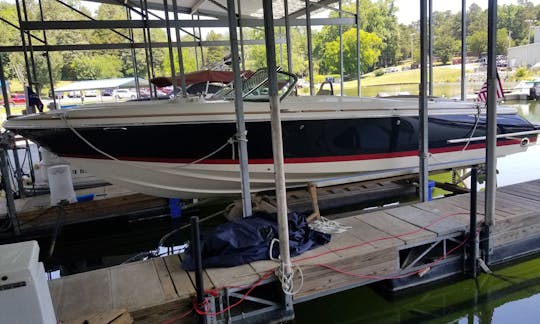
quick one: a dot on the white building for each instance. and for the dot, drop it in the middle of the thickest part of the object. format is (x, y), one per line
(525, 55)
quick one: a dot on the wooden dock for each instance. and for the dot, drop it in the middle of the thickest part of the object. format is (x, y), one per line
(386, 243)
(35, 214)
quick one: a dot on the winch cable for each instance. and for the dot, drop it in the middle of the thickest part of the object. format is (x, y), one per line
(230, 141)
(473, 130)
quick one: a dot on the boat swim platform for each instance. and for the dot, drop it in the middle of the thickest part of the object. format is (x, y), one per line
(388, 244)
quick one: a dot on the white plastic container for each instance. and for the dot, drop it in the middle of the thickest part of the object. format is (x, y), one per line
(24, 292)
(61, 184)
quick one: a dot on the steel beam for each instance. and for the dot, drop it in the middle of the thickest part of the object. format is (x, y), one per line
(491, 141)
(463, 47)
(239, 110)
(423, 107)
(309, 49)
(111, 24)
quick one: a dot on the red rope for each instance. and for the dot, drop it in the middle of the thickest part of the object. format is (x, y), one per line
(171, 320)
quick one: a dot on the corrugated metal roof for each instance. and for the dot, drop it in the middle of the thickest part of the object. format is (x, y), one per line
(102, 84)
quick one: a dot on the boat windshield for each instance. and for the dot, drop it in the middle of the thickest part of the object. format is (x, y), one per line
(255, 88)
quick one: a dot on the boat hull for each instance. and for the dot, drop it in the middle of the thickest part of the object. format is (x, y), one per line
(198, 159)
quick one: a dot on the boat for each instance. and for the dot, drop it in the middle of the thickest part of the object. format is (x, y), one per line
(188, 149)
(524, 90)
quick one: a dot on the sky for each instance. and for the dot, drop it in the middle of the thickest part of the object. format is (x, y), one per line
(409, 10)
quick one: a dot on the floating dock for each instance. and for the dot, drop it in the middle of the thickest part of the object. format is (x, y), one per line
(402, 246)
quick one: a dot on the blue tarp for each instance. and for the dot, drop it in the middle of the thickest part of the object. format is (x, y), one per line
(248, 240)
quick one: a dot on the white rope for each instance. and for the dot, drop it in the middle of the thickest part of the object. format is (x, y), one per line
(324, 225)
(287, 281)
(230, 141)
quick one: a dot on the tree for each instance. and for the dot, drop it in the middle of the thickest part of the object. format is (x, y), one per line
(445, 46)
(215, 54)
(369, 54)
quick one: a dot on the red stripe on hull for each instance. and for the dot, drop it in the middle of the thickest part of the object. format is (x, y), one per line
(345, 158)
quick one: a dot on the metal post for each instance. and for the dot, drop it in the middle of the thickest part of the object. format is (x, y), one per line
(340, 52)
(25, 53)
(239, 108)
(463, 47)
(277, 144)
(199, 283)
(430, 21)
(241, 31)
(32, 61)
(473, 240)
(491, 139)
(144, 17)
(309, 49)
(6, 183)
(195, 47)
(200, 39)
(4, 88)
(288, 36)
(150, 52)
(133, 55)
(51, 81)
(358, 64)
(179, 50)
(169, 41)
(423, 107)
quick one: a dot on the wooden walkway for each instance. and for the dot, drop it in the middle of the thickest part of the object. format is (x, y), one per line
(35, 213)
(158, 289)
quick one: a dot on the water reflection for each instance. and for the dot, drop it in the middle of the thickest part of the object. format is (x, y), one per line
(509, 295)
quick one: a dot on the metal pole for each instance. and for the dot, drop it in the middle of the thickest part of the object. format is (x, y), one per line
(491, 139)
(277, 144)
(4, 88)
(309, 49)
(32, 61)
(423, 107)
(463, 47)
(179, 50)
(195, 47)
(288, 36)
(25, 54)
(10, 202)
(239, 108)
(169, 41)
(51, 81)
(146, 54)
(150, 52)
(241, 30)
(200, 38)
(199, 283)
(430, 78)
(133, 55)
(472, 227)
(340, 52)
(358, 64)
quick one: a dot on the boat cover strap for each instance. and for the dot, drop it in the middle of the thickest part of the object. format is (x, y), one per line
(247, 240)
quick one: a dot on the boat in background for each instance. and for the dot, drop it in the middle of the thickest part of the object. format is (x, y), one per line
(187, 148)
(524, 90)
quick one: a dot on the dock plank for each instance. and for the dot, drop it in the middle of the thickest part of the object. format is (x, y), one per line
(84, 293)
(136, 285)
(396, 227)
(234, 276)
(180, 278)
(422, 218)
(376, 238)
(165, 279)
